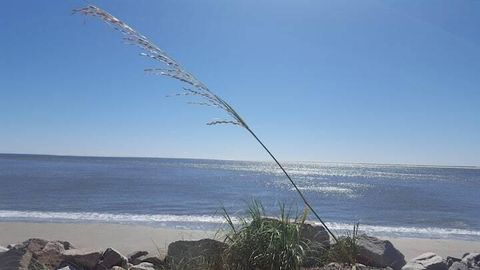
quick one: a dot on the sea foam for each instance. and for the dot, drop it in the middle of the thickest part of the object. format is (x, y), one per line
(214, 222)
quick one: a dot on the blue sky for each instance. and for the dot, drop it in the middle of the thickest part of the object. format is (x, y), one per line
(344, 81)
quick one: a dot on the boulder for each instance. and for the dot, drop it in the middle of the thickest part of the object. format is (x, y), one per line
(111, 258)
(117, 268)
(68, 267)
(378, 253)
(82, 257)
(338, 266)
(3, 249)
(157, 262)
(15, 259)
(34, 254)
(413, 266)
(134, 256)
(472, 260)
(429, 261)
(51, 254)
(458, 266)
(451, 260)
(205, 251)
(315, 233)
(143, 266)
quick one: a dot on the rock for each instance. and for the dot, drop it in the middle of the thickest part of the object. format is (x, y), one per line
(68, 267)
(429, 261)
(157, 262)
(333, 266)
(15, 259)
(3, 249)
(51, 254)
(317, 239)
(34, 254)
(143, 266)
(338, 266)
(315, 233)
(472, 260)
(48, 254)
(110, 258)
(203, 251)
(379, 253)
(117, 268)
(133, 257)
(451, 260)
(82, 257)
(458, 266)
(413, 266)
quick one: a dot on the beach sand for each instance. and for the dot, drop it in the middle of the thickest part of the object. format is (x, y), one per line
(128, 238)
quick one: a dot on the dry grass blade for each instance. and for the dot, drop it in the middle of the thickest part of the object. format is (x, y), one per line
(171, 67)
(174, 70)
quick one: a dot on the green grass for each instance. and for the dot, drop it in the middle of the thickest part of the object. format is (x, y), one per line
(345, 250)
(259, 242)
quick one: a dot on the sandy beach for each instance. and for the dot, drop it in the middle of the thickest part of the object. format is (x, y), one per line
(128, 238)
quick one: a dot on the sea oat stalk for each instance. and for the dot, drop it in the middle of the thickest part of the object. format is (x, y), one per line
(196, 88)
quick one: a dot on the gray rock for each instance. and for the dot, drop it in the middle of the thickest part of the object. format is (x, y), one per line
(338, 266)
(315, 233)
(3, 249)
(429, 261)
(82, 257)
(68, 267)
(157, 262)
(15, 259)
(133, 257)
(143, 266)
(451, 260)
(207, 251)
(379, 253)
(318, 241)
(34, 254)
(458, 266)
(472, 260)
(111, 258)
(413, 266)
(51, 254)
(117, 268)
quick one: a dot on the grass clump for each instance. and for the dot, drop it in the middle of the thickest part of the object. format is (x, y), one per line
(260, 242)
(345, 250)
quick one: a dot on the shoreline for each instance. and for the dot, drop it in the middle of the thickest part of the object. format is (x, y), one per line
(129, 238)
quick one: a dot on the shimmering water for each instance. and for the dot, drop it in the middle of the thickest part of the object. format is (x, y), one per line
(393, 200)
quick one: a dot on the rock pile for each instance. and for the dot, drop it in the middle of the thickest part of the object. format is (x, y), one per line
(372, 253)
(431, 261)
(52, 255)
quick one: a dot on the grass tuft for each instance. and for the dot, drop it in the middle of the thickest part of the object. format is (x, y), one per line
(345, 250)
(260, 242)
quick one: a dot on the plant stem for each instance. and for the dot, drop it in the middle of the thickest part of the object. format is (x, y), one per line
(293, 183)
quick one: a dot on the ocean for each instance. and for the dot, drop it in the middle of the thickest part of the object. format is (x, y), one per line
(387, 200)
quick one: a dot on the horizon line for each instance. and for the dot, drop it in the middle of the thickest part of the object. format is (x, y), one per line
(266, 160)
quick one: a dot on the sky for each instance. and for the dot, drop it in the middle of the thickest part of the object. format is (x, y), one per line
(332, 81)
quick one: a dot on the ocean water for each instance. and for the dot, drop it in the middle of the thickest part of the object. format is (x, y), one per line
(387, 200)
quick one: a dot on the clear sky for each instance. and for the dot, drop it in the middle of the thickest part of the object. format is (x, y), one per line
(344, 81)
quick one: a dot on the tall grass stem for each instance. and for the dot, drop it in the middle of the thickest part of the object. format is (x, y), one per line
(174, 70)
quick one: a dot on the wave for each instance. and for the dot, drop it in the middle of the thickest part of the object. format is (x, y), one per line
(213, 222)
(107, 217)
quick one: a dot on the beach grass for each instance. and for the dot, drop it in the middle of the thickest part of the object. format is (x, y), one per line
(260, 242)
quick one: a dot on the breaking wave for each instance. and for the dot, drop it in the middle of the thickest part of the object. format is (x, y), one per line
(214, 221)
